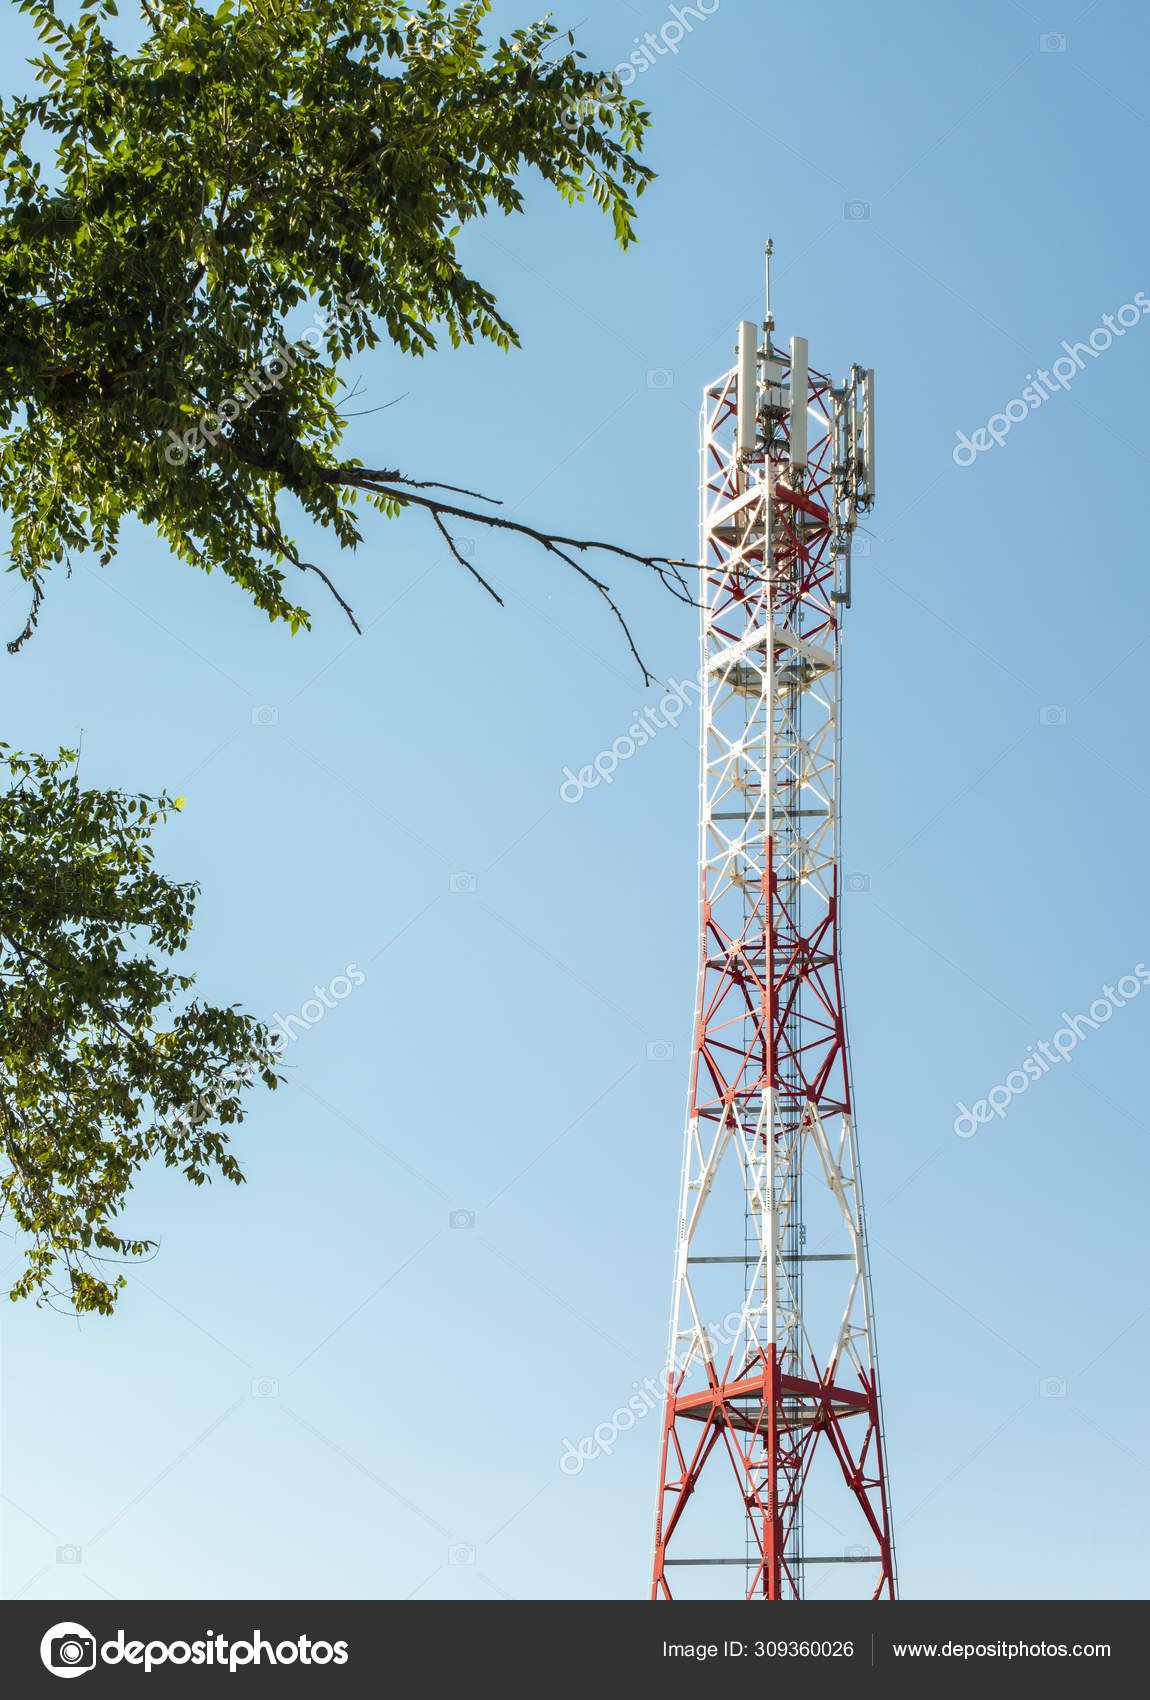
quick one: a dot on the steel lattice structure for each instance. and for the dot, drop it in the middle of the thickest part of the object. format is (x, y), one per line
(776, 1405)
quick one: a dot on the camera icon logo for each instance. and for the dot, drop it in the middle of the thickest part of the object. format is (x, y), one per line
(64, 214)
(1053, 1387)
(1052, 43)
(461, 1553)
(658, 378)
(265, 715)
(68, 1649)
(856, 209)
(660, 1051)
(462, 882)
(461, 1219)
(68, 1554)
(854, 1552)
(1053, 715)
(265, 1387)
(858, 882)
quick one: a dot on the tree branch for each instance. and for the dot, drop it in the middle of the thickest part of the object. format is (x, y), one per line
(399, 489)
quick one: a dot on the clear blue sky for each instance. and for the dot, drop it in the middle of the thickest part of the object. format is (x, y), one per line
(494, 1061)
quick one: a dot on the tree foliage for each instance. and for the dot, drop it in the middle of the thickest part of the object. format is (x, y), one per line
(202, 185)
(171, 199)
(99, 1072)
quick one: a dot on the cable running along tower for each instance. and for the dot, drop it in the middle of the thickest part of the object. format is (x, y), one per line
(772, 1454)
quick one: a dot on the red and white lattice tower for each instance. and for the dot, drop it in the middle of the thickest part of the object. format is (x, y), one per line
(773, 1437)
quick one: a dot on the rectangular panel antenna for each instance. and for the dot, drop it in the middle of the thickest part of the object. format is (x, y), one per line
(799, 387)
(748, 384)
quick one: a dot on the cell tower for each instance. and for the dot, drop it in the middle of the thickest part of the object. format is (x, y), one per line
(773, 1435)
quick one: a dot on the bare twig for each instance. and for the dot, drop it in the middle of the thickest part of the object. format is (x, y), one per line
(464, 562)
(394, 485)
(399, 488)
